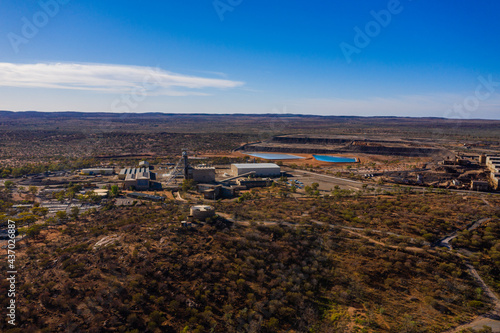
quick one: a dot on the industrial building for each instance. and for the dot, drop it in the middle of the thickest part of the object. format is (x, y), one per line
(144, 164)
(97, 171)
(228, 190)
(477, 185)
(201, 213)
(251, 183)
(130, 171)
(495, 180)
(214, 192)
(259, 169)
(493, 164)
(202, 174)
(198, 174)
(136, 178)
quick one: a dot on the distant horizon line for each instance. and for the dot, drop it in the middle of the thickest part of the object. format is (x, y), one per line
(243, 114)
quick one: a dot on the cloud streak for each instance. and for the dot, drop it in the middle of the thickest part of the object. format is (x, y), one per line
(108, 78)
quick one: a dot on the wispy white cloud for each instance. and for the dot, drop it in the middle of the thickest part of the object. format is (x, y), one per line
(220, 74)
(108, 78)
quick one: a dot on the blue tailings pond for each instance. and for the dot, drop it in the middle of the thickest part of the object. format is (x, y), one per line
(334, 159)
(268, 156)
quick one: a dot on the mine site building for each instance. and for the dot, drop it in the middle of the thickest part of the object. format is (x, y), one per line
(251, 183)
(482, 159)
(217, 191)
(97, 171)
(495, 179)
(202, 174)
(493, 163)
(136, 178)
(259, 169)
(202, 212)
(478, 185)
(131, 171)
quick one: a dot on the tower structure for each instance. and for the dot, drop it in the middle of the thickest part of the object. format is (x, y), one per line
(186, 164)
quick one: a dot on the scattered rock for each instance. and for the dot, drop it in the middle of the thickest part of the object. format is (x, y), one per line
(106, 241)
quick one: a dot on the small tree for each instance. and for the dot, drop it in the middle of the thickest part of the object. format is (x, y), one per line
(71, 193)
(309, 190)
(9, 184)
(40, 211)
(59, 196)
(27, 218)
(34, 231)
(34, 191)
(115, 190)
(75, 211)
(188, 184)
(61, 215)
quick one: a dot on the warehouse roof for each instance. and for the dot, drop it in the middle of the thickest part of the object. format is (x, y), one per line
(138, 175)
(256, 165)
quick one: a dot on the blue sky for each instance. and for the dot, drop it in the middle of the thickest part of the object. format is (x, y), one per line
(412, 58)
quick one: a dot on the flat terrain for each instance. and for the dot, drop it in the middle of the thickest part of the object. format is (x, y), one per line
(34, 137)
(329, 247)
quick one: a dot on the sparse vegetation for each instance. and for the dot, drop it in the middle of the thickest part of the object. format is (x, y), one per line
(297, 259)
(269, 277)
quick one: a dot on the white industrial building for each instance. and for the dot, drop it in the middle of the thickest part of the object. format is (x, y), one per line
(259, 169)
(495, 180)
(131, 171)
(493, 164)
